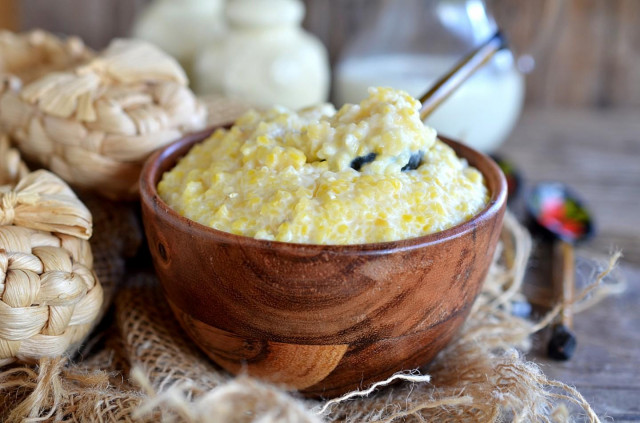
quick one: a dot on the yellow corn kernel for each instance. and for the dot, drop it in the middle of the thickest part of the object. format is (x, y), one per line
(279, 175)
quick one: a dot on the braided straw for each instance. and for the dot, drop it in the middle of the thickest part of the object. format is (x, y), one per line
(95, 124)
(49, 295)
(25, 58)
(12, 169)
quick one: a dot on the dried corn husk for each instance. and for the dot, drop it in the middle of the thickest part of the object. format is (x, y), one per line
(43, 201)
(95, 124)
(12, 168)
(49, 295)
(26, 57)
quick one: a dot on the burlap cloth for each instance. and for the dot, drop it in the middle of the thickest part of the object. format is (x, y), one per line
(139, 366)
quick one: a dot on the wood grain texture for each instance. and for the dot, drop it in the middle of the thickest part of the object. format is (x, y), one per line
(598, 154)
(297, 366)
(95, 21)
(591, 59)
(606, 365)
(321, 318)
(9, 15)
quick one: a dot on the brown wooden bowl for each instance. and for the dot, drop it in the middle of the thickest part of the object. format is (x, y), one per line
(322, 319)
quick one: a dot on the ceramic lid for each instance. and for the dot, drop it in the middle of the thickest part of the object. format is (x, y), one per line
(262, 13)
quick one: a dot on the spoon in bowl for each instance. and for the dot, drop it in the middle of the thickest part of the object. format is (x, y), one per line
(443, 88)
(561, 214)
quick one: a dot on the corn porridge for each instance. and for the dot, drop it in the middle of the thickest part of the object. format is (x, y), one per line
(285, 176)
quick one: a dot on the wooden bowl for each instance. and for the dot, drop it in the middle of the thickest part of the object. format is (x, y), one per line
(322, 319)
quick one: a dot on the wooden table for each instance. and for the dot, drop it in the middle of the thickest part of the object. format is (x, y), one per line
(598, 154)
(8, 15)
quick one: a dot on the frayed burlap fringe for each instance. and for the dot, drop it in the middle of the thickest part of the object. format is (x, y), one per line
(144, 369)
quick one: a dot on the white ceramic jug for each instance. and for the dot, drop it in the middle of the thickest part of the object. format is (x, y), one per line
(414, 42)
(181, 27)
(265, 58)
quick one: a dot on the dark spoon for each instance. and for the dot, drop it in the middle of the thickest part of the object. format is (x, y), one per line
(443, 88)
(562, 215)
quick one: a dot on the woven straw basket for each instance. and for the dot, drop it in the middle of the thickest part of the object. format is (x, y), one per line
(95, 123)
(27, 57)
(49, 295)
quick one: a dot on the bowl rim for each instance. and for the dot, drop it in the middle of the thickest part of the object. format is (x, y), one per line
(152, 172)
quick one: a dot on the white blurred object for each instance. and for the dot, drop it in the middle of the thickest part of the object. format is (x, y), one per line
(480, 113)
(181, 27)
(266, 58)
(410, 46)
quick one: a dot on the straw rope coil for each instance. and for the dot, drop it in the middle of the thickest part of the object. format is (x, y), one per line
(96, 123)
(49, 294)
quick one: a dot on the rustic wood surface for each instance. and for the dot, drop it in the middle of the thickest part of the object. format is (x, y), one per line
(595, 152)
(590, 58)
(8, 15)
(598, 154)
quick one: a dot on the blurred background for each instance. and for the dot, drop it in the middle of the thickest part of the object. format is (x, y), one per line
(591, 61)
(579, 121)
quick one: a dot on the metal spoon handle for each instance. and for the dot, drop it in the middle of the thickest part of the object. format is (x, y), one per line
(466, 67)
